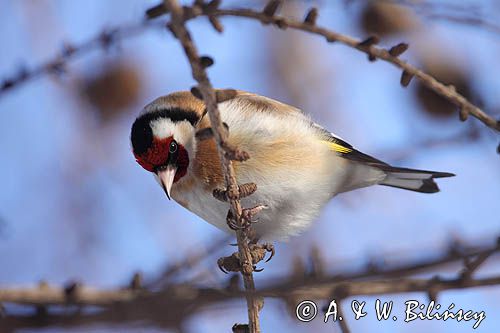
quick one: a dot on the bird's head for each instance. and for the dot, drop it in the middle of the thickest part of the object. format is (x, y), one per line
(163, 137)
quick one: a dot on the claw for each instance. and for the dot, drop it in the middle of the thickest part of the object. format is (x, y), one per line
(230, 221)
(255, 269)
(235, 227)
(270, 248)
(220, 263)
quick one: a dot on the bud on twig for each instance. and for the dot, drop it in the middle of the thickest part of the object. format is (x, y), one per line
(398, 50)
(241, 328)
(156, 11)
(406, 78)
(463, 114)
(311, 16)
(372, 40)
(214, 21)
(271, 7)
(206, 61)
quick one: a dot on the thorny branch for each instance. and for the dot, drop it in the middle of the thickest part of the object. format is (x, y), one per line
(198, 65)
(58, 65)
(176, 302)
(367, 46)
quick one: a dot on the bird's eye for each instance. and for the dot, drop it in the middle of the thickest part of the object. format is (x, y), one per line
(173, 147)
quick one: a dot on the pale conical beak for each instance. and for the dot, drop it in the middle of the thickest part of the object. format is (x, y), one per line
(167, 176)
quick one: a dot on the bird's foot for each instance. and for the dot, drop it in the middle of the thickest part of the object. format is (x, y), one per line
(248, 214)
(247, 218)
(229, 264)
(257, 252)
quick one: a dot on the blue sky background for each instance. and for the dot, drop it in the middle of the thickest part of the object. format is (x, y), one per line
(75, 205)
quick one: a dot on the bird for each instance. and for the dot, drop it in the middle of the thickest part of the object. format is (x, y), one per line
(298, 165)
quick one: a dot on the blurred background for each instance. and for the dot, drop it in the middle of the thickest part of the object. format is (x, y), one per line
(75, 206)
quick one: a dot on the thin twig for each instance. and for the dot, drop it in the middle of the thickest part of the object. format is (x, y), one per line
(93, 297)
(198, 70)
(187, 262)
(373, 52)
(472, 266)
(58, 65)
(47, 295)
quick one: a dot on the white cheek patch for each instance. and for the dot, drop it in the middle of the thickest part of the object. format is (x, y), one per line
(182, 131)
(162, 128)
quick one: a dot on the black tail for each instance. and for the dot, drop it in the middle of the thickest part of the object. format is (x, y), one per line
(413, 180)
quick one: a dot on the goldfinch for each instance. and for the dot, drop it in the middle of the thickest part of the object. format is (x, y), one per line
(297, 165)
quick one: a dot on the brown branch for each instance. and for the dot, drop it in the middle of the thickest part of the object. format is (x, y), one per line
(49, 295)
(188, 262)
(455, 253)
(174, 303)
(46, 296)
(58, 65)
(473, 265)
(170, 307)
(373, 52)
(179, 30)
(383, 287)
(210, 10)
(367, 46)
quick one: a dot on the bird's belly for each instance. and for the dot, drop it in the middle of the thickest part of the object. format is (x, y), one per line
(290, 207)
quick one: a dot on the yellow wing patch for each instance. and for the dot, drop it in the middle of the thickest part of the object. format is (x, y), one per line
(338, 148)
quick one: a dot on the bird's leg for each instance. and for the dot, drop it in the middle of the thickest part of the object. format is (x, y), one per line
(246, 218)
(257, 251)
(248, 214)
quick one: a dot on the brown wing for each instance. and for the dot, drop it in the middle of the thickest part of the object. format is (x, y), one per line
(257, 103)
